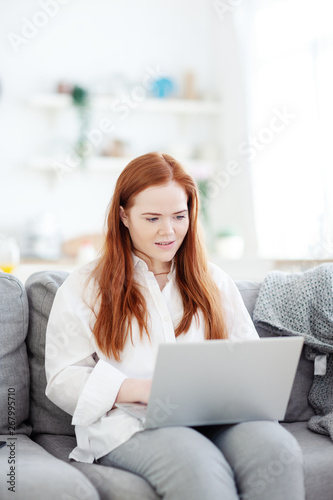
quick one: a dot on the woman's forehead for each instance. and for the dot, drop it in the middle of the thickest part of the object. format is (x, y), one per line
(162, 198)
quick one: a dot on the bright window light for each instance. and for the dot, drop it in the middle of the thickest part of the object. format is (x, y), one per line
(293, 160)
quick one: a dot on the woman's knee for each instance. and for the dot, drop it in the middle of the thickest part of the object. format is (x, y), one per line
(265, 457)
(277, 470)
(259, 439)
(282, 447)
(278, 453)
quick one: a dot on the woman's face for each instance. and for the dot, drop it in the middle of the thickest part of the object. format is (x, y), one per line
(158, 222)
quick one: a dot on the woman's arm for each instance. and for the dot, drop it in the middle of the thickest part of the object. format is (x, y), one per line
(78, 381)
(134, 390)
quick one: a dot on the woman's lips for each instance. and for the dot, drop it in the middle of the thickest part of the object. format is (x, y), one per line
(165, 244)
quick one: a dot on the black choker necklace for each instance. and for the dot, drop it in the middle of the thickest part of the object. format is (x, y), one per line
(158, 274)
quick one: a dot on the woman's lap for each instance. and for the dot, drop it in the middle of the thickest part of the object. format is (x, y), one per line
(178, 462)
(260, 459)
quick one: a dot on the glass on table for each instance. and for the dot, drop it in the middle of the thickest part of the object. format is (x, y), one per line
(9, 253)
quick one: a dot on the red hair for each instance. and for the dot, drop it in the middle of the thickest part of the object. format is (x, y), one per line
(119, 297)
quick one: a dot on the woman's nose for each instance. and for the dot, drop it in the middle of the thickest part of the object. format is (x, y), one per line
(167, 227)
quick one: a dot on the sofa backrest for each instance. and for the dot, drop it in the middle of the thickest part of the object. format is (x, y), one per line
(46, 417)
(298, 408)
(14, 368)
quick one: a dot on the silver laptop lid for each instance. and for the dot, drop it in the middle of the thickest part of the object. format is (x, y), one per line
(222, 381)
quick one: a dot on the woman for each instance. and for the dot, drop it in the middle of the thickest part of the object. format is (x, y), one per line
(152, 284)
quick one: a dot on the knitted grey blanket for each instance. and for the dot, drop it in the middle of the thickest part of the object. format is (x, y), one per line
(302, 304)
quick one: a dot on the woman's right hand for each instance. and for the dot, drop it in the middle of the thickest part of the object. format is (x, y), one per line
(134, 390)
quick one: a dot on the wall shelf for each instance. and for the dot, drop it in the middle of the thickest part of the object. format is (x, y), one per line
(187, 106)
(194, 120)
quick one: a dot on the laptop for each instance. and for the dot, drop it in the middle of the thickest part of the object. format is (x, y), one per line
(220, 382)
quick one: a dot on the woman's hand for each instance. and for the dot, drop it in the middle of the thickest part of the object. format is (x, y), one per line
(134, 390)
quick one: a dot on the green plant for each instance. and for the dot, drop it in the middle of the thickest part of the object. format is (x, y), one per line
(227, 232)
(80, 98)
(203, 194)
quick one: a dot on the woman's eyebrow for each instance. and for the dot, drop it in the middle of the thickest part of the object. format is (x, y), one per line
(175, 213)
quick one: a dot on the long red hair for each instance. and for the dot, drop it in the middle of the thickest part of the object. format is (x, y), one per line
(119, 297)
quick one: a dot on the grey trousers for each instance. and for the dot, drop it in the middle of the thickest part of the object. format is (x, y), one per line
(251, 461)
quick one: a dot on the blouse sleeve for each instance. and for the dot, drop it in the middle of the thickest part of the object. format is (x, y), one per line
(238, 320)
(77, 380)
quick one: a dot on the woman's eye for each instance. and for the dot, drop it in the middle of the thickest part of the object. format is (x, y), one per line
(154, 219)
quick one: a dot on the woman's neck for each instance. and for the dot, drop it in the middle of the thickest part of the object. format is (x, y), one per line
(160, 270)
(156, 267)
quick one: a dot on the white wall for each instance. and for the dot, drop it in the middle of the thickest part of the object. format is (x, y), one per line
(234, 204)
(86, 43)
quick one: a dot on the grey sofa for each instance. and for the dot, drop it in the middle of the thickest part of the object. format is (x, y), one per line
(39, 436)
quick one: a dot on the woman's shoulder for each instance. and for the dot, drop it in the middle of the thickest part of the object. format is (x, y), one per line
(218, 274)
(222, 279)
(79, 279)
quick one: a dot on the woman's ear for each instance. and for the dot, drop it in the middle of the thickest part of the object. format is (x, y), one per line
(123, 216)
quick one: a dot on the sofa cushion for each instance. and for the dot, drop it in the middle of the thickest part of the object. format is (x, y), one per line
(36, 474)
(45, 416)
(14, 368)
(298, 408)
(317, 453)
(110, 482)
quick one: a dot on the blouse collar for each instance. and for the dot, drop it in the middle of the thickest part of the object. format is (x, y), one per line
(141, 264)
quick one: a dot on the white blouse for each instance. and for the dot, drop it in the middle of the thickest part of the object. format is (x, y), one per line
(84, 382)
